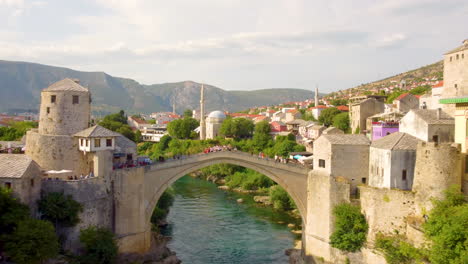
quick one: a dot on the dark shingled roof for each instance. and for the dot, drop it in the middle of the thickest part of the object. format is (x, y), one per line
(14, 165)
(122, 143)
(96, 131)
(66, 85)
(430, 116)
(347, 139)
(397, 141)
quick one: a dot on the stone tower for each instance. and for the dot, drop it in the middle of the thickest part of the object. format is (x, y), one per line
(438, 167)
(455, 75)
(316, 96)
(64, 110)
(202, 113)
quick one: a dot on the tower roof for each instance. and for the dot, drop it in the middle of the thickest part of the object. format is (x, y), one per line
(66, 85)
(96, 132)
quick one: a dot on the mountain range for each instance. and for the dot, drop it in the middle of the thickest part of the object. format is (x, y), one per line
(21, 84)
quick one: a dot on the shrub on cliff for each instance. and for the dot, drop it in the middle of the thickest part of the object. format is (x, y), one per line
(60, 209)
(447, 228)
(350, 228)
(281, 199)
(33, 241)
(100, 246)
(162, 207)
(397, 251)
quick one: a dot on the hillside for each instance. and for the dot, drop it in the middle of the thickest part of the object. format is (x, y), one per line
(22, 82)
(420, 76)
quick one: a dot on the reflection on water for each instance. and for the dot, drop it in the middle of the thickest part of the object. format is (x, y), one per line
(207, 225)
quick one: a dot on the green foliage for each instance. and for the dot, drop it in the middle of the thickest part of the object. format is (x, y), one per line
(151, 121)
(117, 122)
(327, 115)
(397, 251)
(447, 228)
(182, 128)
(138, 136)
(248, 180)
(188, 113)
(357, 131)
(162, 207)
(350, 228)
(16, 130)
(421, 90)
(308, 116)
(342, 122)
(337, 102)
(281, 199)
(100, 246)
(60, 209)
(11, 212)
(33, 241)
(394, 95)
(237, 127)
(262, 138)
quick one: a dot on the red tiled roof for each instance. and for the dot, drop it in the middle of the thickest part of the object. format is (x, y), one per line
(342, 108)
(292, 111)
(440, 84)
(138, 120)
(319, 106)
(402, 96)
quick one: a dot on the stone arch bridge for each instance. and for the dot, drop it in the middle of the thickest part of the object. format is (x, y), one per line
(137, 190)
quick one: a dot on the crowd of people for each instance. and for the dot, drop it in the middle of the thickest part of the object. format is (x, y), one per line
(219, 148)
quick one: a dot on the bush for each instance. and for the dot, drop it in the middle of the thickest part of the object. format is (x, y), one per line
(447, 228)
(350, 228)
(33, 241)
(100, 246)
(162, 207)
(60, 209)
(281, 199)
(11, 212)
(396, 250)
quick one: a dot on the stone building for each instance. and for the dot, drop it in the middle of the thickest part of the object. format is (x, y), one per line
(430, 125)
(333, 131)
(64, 110)
(213, 124)
(406, 102)
(363, 107)
(392, 160)
(23, 176)
(455, 75)
(345, 156)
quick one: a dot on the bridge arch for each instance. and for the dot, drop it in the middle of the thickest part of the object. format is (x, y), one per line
(291, 177)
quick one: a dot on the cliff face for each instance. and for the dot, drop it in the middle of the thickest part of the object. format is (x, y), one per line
(21, 83)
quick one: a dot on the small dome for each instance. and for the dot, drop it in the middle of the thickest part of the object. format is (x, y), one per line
(217, 114)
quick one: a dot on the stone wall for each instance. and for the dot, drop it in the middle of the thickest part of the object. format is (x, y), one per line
(438, 167)
(386, 210)
(95, 195)
(56, 152)
(350, 162)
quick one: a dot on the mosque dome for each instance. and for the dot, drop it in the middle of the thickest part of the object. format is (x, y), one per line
(217, 114)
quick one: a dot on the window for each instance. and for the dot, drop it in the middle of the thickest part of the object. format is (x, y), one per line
(363, 180)
(8, 185)
(87, 142)
(48, 110)
(53, 98)
(76, 99)
(450, 58)
(458, 56)
(463, 55)
(97, 142)
(82, 142)
(321, 163)
(435, 138)
(403, 175)
(32, 182)
(466, 164)
(109, 142)
(456, 85)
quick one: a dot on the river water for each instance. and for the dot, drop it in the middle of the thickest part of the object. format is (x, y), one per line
(207, 225)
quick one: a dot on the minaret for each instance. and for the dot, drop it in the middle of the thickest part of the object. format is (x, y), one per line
(202, 113)
(173, 108)
(316, 96)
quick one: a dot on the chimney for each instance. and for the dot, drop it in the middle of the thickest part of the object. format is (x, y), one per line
(438, 113)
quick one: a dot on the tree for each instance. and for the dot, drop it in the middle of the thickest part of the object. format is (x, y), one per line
(341, 121)
(350, 228)
(60, 209)
(447, 228)
(327, 115)
(188, 113)
(138, 137)
(100, 245)
(16, 130)
(281, 199)
(237, 127)
(182, 128)
(118, 122)
(33, 241)
(11, 212)
(261, 137)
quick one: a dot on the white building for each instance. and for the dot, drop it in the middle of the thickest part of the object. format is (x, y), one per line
(213, 124)
(430, 125)
(96, 138)
(392, 161)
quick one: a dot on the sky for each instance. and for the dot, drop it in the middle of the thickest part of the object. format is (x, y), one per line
(235, 44)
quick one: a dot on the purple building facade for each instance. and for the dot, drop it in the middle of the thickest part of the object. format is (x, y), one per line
(381, 129)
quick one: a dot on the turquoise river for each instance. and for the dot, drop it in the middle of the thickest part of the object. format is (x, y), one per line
(207, 225)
